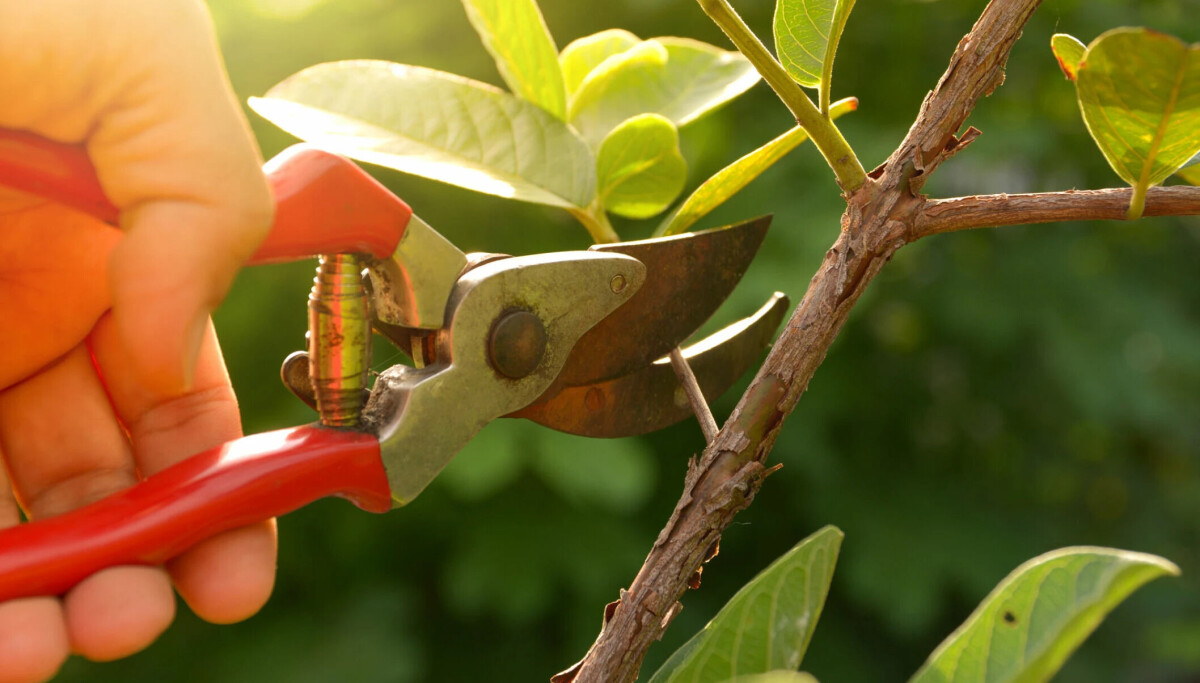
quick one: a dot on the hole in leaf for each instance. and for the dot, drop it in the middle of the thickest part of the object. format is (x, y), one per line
(1010, 618)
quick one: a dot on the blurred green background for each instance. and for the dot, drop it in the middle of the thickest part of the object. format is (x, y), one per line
(995, 394)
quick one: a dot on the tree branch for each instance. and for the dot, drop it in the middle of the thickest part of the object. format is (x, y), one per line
(883, 215)
(998, 210)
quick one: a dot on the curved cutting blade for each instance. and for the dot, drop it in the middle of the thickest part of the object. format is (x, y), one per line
(688, 276)
(651, 397)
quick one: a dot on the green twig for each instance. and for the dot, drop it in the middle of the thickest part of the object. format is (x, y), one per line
(826, 136)
(1137, 203)
(596, 221)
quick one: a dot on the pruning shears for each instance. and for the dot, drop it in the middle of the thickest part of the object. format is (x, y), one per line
(574, 340)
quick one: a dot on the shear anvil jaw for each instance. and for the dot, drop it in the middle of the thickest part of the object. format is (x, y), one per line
(411, 287)
(423, 417)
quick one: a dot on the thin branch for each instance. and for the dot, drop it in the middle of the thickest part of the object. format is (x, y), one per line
(976, 70)
(825, 135)
(878, 221)
(695, 395)
(998, 210)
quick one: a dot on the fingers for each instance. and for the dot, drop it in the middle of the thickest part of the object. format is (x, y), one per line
(142, 82)
(52, 301)
(33, 640)
(64, 448)
(230, 576)
(33, 637)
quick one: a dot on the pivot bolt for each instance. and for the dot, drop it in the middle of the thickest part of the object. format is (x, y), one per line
(518, 344)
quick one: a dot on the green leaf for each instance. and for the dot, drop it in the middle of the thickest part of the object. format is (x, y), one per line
(639, 168)
(1191, 171)
(768, 624)
(585, 54)
(438, 126)
(678, 78)
(1036, 617)
(515, 34)
(731, 179)
(1069, 52)
(781, 676)
(806, 37)
(1139, 91)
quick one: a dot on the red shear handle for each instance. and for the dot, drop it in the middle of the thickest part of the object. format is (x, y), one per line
(239, 483)
(324, 203)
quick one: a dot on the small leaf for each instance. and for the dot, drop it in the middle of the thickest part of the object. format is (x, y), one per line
(1032, 622)
(679, 78)
(515, 34)
(639, 168)
(768, 624)
(731, 179)
(806, 37)
(438, 126)
(585, 54)
(1069, 52)
(1139, 91)
(780, 676)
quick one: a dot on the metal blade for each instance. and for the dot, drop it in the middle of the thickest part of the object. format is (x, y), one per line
(687, 278)
(651, 398)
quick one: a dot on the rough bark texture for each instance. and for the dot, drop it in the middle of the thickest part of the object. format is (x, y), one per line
(997, 210)
(882, 216)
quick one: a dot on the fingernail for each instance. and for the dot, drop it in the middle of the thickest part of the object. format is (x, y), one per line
(191, 347)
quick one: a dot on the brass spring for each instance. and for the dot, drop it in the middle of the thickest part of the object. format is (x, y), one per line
(339, 338)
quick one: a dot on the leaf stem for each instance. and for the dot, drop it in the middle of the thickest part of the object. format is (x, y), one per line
(596, 221)
(828, 139)
(1137, 203)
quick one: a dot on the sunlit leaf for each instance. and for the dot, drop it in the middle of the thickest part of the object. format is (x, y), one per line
(1139, 91)
(436, 125)
(1069, 52)
(768, 624)
(679, 78)
(1039, 614)
(731, 179)
(806, 37)
(639, 168)
(582, 55)
(1191, 171)
(781, 676)
(515, 34)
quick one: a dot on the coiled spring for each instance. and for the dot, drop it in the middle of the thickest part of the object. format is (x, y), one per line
(339, 338)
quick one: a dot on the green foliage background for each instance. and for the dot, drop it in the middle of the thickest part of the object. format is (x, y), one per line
(995, 394)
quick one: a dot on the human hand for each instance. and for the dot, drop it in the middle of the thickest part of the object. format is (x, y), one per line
(110, 369)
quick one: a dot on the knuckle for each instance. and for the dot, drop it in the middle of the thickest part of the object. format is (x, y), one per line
(202, 418)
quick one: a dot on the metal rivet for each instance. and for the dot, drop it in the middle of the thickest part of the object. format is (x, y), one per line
(518, 343)
(618, 283)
